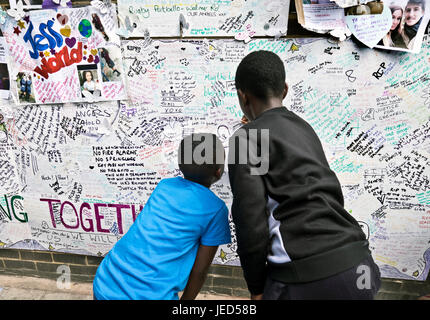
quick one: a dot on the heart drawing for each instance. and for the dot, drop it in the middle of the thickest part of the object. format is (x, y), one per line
(66, 31)
(70, 42)
(370, 28)
(62, 18)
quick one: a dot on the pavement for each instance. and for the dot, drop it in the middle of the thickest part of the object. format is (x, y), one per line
(14, 287)
(32, 288)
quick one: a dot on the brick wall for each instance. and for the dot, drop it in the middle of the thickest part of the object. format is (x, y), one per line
(227, 280)
(45, 264)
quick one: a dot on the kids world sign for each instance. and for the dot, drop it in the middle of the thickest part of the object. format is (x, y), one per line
(69, 55)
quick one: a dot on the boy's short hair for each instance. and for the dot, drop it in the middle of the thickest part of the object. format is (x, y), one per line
(421, 3)
(200, 155)
(262, 73)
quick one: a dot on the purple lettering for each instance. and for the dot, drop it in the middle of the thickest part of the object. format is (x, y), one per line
(99, 217)
(51, 211)
(91, 227)
(133, 211)
(119, 207)
(61, 215)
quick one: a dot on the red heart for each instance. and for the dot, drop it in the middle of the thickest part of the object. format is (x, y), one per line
(90, 59)
(62, 18)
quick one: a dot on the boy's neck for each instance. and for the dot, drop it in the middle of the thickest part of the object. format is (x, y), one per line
(204, 184)
(260, 107)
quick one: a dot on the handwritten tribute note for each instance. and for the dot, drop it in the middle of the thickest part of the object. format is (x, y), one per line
(202, 17)
(370, 29)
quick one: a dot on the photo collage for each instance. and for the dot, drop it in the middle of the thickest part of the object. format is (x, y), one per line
(70, 54)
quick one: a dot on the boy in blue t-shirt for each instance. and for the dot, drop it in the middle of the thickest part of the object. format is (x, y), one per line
(173, 241)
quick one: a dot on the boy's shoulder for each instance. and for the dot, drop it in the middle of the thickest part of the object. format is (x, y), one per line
(202, 192)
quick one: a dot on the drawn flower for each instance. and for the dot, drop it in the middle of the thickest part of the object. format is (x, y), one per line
(17, 12)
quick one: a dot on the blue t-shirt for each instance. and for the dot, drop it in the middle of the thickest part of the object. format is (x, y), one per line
(153, 260)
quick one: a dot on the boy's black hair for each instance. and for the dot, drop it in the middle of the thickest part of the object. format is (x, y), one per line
(199, 156)
(421, 3)
(261, 73)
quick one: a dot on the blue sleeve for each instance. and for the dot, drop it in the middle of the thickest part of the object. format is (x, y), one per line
(218, 230)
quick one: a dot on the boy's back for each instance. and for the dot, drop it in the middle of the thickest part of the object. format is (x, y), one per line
(154, 258)
(308, 246)
(299, 199)
(302, 188)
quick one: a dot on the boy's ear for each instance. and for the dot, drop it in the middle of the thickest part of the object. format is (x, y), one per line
(242, 97)
(218, 173)
(284, 94)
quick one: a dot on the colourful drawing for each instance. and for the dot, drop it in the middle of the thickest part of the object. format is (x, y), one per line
(48, 46)
(85, 28)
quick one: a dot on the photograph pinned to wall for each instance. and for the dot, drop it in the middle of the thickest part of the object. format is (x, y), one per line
(89, 81)
(50, 44)
(409, 19)
(4, 72)
(4, 81)
(24, 84)
(98, 25)
(110, 64)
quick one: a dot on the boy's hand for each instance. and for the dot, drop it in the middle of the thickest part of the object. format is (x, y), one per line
(257, 296)
(244, 120)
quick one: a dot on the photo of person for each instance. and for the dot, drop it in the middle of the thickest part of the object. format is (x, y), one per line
(25, 87)
(394, 37)
(409, 20)
(99, 26)
(88, 78)
(110, 62)
(414, 13)
(4, 77)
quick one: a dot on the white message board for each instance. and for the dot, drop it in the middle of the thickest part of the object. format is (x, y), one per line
(74, 177)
